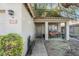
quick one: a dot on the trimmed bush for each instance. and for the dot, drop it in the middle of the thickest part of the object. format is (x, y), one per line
(11, 45)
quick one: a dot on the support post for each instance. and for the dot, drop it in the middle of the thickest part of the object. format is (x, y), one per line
(67, 30)
(46, 30)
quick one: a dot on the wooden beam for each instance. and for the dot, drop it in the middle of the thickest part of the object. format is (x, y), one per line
(31, 10)
(52, 20)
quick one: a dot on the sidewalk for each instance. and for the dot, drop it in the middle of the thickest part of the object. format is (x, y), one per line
(39, 48)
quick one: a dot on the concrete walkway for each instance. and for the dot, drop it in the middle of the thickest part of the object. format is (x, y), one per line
(39, 48)
(56, 47)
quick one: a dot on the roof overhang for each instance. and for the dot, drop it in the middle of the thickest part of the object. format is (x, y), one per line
(29, 8)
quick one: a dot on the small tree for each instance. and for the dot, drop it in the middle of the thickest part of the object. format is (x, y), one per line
(54, 12)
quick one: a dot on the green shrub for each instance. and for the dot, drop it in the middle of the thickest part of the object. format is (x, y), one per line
(11, 45)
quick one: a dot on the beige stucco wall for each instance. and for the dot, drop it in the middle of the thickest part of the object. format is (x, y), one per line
(28, 27)
(24, 25)
(5, 25)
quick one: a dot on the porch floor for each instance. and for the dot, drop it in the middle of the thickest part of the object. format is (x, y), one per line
(56, 47)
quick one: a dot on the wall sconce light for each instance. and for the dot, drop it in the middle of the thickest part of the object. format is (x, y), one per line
(11, 12)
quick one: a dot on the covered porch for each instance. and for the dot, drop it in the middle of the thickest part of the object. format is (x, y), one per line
(51, 28)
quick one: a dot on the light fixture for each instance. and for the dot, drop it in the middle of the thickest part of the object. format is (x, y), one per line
(11, 12)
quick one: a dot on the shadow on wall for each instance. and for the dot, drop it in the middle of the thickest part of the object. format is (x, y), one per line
(30, 45)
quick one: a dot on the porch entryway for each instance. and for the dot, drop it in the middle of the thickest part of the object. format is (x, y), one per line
(52, 30)
(40, 30)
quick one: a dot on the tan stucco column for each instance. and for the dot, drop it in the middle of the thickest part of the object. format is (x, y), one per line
(67, 30)
(46, 30)
(59, 27)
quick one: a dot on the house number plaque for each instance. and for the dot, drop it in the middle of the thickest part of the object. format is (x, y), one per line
(11, 21)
